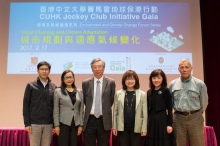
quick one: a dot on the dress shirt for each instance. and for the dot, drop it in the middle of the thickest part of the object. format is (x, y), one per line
(189, 95)
(94, 97)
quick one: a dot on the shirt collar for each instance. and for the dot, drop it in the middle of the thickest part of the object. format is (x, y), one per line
(101, 79)
(187, 79)
(42, 82)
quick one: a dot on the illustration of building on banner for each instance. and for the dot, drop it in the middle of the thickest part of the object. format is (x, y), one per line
(166, 40)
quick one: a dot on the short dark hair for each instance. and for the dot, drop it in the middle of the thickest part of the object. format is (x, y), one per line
(155, 73)
(43, 63)
(63, 85)
(96, 60)
(130, 73)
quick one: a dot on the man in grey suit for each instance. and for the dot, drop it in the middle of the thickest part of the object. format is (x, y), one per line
(98, 94)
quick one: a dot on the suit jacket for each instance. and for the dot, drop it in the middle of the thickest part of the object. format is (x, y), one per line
(108, 91)
(140, 111)
(64, 110)
(163, 102)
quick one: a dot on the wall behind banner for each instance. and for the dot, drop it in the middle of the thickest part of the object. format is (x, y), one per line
(12, 84)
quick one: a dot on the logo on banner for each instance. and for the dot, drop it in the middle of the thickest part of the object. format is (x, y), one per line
(34, 60)
(67, 65)
(117, 66)
(32, 67)
(120, 66)
(161, 60)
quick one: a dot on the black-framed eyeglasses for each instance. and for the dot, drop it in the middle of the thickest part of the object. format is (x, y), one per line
(68, 78)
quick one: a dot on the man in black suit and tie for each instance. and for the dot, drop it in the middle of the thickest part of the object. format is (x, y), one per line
(98, 93)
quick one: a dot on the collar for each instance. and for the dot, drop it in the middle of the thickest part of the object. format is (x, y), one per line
(48, 80)
(101, 80)
(187, 80)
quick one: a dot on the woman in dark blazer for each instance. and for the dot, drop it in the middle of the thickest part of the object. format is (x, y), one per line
(130, 111)
(68, 110)
(159, 111)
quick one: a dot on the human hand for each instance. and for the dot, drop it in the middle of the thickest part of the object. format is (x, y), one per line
(143, 133)
(28, 129)
(115, 132)
(79, 130)
(169, 129)
(57, 130)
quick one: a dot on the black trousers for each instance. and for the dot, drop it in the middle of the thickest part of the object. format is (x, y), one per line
(68, 135)
(129, 138)
(95, 130)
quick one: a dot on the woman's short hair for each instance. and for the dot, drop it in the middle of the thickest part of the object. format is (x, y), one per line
(127, 74)
(155, 73)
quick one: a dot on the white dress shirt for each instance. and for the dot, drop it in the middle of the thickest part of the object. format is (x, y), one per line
(94, 97)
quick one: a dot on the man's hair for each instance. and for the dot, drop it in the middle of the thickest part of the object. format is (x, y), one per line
(96, 60)
(43, 63)
(185, 60)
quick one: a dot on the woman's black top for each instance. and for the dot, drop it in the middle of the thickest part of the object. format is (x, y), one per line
(129, 109)
(72, 96)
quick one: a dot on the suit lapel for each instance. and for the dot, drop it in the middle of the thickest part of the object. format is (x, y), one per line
(138, 97)
(91, 84)
(104, 84)
(77, 99)
(122, 97)
(70, 101)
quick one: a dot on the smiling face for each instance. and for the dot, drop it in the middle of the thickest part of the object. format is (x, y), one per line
(68, 79)
(185, 69)
(130, 82)
(157, 81)
(98, 69)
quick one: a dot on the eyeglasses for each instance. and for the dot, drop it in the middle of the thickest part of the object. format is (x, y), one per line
(97, 67)
(130, 79)
(44, 69)
(68, 78)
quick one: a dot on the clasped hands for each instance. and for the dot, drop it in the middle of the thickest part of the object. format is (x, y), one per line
(57, 130)
(115, 133)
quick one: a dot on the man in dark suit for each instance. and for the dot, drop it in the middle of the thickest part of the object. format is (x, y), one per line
(98, 93)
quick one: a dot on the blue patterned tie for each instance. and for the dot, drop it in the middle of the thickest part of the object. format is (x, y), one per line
(97, 101)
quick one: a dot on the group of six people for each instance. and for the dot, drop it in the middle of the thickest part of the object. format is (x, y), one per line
(72, 111)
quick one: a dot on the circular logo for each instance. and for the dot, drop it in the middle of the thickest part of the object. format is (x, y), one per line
(161, 60)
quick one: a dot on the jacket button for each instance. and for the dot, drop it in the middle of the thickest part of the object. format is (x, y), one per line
(73, 109)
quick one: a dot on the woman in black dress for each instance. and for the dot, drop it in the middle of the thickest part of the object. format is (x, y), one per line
(159, 130)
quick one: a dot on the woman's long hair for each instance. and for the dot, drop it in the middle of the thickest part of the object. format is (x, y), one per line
(63, 85)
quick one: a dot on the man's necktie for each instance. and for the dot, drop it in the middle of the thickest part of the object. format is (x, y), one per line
(97, 112)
